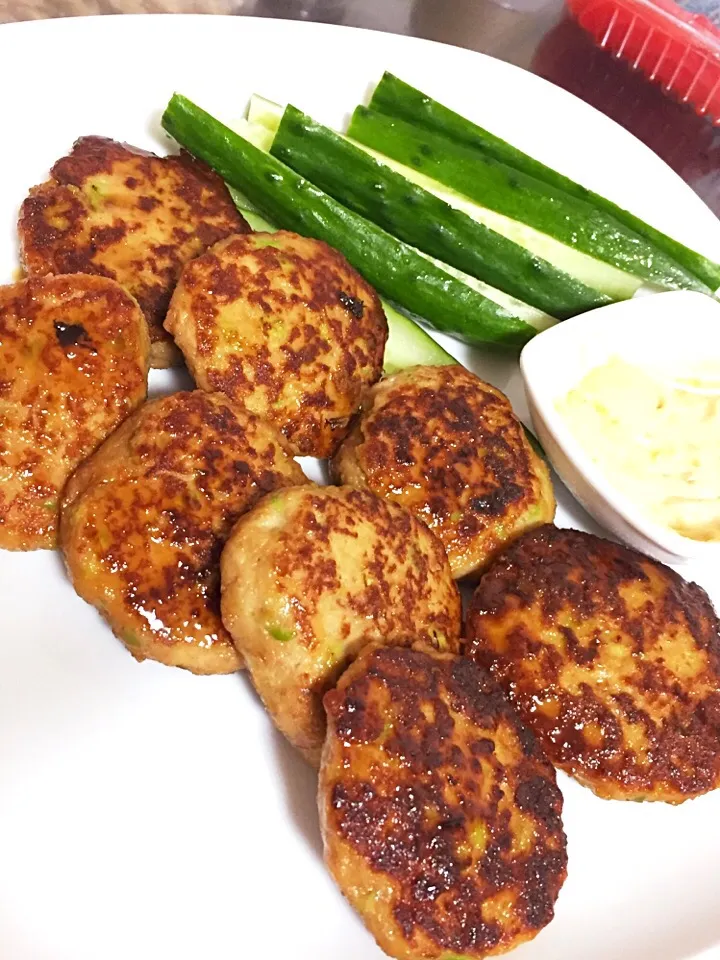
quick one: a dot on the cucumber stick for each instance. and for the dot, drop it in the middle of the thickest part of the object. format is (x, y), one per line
(407, 344)
(398, 99)
(263, 112)
(269, 114)
(608, 280)
(513, 193)
(262, 137)
(416, 216)
(256, 220)
(396, 270)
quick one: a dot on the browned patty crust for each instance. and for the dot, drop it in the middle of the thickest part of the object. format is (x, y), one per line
(285, 325)
(73, 364)
(441, 817)
(114, 210)
(312, 575)
(144, 521)
(448, 446)
(612, 658)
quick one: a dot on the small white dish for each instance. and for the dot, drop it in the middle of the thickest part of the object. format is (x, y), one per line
(677, 328)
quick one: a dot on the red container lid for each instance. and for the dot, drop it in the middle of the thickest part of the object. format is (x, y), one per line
(677, 49)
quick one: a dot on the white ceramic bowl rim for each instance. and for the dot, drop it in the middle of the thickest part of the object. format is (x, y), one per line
(694, 314)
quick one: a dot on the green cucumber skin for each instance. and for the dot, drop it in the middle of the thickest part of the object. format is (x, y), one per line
(513, 193)
(396, 98)
(393, 268)
(417, 217)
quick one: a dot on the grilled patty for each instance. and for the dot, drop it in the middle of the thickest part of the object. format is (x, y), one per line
(73, 364)
(285, 325)
(113, 210)
(441, 818)
(448, 447)
(144, 521)
(310, 576)
(612, 659)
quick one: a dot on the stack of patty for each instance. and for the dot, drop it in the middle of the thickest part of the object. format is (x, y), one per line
(441, 816)
(325, 591)
(188, 524)
(103, 243)
(115, 211)
(123, 249)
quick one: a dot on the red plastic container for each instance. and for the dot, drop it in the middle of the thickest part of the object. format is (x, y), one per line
(679, 50)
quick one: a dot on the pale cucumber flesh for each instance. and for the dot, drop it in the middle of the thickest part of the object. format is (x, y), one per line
(602, 276)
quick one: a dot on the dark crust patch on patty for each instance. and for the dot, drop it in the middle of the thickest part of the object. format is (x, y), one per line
(123, 213)
(314, 574)
(448, 446)
(73, 365)
(145, 519)
(284, 324)
(400, 545)
(434, 793)
(611, 657)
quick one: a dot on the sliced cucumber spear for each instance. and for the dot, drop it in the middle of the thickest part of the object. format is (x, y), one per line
(255, 219)
(268, 115)
(265, 115)
(414, 215)
(264, 112)
(392, 267)
(608, 280)
(513, 193)
(396, 98)
(408, 345)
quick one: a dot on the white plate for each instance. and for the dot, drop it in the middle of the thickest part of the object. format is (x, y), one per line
(149, 814)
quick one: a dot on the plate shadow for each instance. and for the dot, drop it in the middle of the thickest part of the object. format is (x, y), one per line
(300, 784)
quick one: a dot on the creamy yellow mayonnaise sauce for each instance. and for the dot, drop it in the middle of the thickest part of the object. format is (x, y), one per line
(656, 437)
